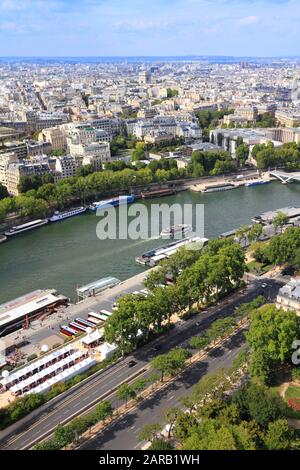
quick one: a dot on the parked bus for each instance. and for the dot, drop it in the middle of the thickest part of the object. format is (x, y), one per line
(106, 313)
(98, 316)
(67, 331)
(77, 327)
(83, 322)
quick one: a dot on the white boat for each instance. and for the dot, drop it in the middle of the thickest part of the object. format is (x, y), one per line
(25, 227)
(174, 230)
(57, 216)
(114, 202)
(3, 238)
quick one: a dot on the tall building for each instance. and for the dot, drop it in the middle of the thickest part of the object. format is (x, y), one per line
(55, 136)
(65, 167)
(15, 171)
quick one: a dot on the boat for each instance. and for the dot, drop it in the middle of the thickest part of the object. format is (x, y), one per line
(114, 202)
(176, 230)
(153, 257)
(57, 216)
(3, 238)
(257, 183)
(158, 193)
(219, 187)
(25, 227)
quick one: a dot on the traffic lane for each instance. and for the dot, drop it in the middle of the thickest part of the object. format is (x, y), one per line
(72, 403)
(123, 433)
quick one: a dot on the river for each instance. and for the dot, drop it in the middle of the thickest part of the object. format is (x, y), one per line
(69, 254)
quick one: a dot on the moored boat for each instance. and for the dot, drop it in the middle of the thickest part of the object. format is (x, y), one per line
(25, 227)
(58, 216)
(113, 202)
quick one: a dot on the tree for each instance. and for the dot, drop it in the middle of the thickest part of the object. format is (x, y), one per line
(3, 191)
(161, 444)
(122, 327)
(280, 220)
(279, 435)
(258, 403)
(126, 392)
(170, 417)
(104, 410)
(255, 232)
(198, 342)
(271, 334)
(242, 153)
(150, 432)
(170, 363)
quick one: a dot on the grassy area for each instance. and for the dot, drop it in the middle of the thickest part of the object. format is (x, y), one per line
(292, 392)
(258, 268)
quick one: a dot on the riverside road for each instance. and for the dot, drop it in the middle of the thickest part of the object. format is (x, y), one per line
(84, 396)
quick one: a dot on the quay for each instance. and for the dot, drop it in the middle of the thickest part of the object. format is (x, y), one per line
(223, 183)
(31, 339)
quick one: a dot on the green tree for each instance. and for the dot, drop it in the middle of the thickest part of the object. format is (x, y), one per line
(271, 334)
(3, 191)
(150, 432)
(279, 435)
(126, 392)
(280, 220)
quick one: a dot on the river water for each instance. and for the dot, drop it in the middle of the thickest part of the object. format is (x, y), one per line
(69, 254)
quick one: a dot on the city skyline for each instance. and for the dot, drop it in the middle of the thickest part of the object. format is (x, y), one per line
(257, 28)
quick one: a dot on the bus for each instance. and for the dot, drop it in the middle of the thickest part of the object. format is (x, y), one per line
(106, 313)
(94, 320)
(86, 323)
(98, 316)
(77, 327)
(67, 331)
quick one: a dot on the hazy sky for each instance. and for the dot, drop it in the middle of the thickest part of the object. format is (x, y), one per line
(149, 27)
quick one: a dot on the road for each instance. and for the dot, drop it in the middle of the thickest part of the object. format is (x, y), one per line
(75, 401)
(123, 433)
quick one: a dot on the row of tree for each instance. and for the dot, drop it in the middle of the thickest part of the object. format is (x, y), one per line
(200, 277)
(70, 433)
(267, 156)
(281, 249)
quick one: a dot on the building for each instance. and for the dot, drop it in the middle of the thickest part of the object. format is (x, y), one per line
(144, 77)
(16, 147)
(288, 297)
(55, 136)
(288, 117)
(5, 160)
(35, 148)
(15, 171)
(65, 167)
(19, 312)
(96, 154)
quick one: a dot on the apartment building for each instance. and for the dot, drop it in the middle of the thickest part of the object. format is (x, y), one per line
(55, 136)
(288, 117)
(5, 160)
(288, 297)
(15, 171)
(65, 167)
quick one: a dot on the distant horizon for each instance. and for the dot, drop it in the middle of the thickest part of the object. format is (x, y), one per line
(136, 28)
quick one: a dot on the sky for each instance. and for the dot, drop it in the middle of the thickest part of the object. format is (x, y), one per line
(265, 28)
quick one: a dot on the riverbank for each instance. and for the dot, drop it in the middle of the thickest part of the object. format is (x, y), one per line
(67, 255)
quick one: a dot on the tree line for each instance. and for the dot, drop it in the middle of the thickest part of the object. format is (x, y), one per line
(199, 277)
(267, 156)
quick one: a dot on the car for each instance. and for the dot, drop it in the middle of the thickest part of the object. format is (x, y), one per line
(264, 285)
(157, 347)
(131, 364)
(198, 323)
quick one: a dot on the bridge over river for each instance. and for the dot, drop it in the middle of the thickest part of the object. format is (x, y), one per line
(285, 177)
